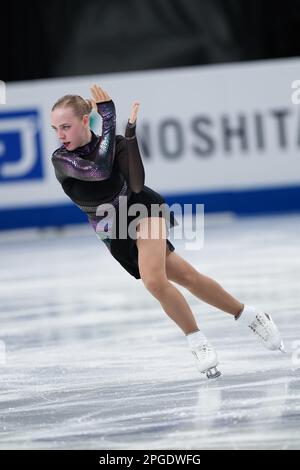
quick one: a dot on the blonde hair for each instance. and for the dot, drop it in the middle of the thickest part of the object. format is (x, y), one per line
(79, 105)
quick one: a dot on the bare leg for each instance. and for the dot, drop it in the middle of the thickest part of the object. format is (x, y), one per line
(203, 287)
(152, 258)
(212, 292)
(175, 305)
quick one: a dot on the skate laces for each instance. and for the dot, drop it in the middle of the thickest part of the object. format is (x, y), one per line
(203, 351)
(261, 327)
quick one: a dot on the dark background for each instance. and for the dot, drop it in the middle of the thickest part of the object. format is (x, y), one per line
(64, 38)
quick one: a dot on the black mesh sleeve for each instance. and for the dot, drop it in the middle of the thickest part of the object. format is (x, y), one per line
(129, 159)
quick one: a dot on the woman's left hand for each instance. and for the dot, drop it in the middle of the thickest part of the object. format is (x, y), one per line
(134, 111)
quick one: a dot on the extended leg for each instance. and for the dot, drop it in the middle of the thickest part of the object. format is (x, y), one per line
(208, 290)
(200, 285)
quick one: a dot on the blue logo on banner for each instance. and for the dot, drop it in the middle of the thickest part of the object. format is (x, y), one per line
(20, 146)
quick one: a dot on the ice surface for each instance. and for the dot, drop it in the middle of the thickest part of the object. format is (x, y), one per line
(93, 362)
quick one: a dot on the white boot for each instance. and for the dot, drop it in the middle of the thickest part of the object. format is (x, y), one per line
(262, 325)
(204, 353)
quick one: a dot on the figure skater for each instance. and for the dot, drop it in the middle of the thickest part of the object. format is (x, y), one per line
(97, 170)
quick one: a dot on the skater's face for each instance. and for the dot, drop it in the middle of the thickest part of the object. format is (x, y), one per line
(70, 129)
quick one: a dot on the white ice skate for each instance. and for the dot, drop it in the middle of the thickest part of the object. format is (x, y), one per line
(204, 354)
(263, 326)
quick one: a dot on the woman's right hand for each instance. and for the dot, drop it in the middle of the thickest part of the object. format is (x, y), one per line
(99, 95)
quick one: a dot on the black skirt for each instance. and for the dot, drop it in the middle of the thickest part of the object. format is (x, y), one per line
(124, 250)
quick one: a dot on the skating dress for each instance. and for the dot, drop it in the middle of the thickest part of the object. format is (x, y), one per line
(107, 176)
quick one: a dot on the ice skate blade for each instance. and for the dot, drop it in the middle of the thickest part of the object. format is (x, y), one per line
(212, 373)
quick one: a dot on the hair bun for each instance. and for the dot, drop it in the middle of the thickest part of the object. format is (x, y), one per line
(80, 106)
(90, 105)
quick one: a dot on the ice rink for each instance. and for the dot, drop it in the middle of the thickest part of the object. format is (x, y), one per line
(89, 360)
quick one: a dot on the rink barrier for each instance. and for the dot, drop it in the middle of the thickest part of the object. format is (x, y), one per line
(241, 203)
